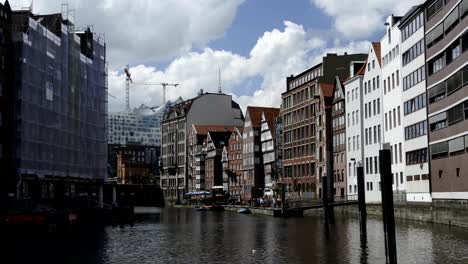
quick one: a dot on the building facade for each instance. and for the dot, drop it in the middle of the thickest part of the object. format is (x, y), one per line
(137, 165)
(268, 141)
(233, 170)
(252, 159)
(205, 109)
(373, 99)
(413, 73)
(446, 40)
(354, 91)
(59, 119)
(392, 105)
(339, 140)
(305, 103)
(216, 142)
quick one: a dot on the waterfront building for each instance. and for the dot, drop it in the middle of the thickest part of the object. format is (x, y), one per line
(215, 143)
(304, 123)
(393, 132)
(137, 164)
(268, 143)
(197, 151)
(339, 139)
(233, 170)
(373, 101)
(413, 94)
(215, 109)
(58, 123)
(252, 159)
(446, 42)
(279, 148)
(354, 91)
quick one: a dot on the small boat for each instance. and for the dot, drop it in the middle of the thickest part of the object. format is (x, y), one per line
(244, 211)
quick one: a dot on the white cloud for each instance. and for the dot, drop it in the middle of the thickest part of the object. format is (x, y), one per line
(362, 18)
(146, 30)
(277, 54)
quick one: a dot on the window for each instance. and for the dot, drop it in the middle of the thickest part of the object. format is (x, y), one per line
(367, 138)
(451, 20)
(394, 118)
(435, 35)
(456, 146)
(458, 172)
(373, 84)
(386, 123)
(399, 116)
(378, 106)
(385, 86)
(414, 104)
(413, 52)
(393, 81)
(438, 121)
(400, 153)
(379, 135)
(416, 130)
(398, 78)
(434, 8)
(416, 156)
(437, 64)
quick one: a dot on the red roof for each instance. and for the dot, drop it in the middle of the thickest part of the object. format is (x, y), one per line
(327, 89)
(255, 114)
(362, 70)
(376, 47)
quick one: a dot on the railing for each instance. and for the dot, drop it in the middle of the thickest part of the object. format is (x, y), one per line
(304, 202)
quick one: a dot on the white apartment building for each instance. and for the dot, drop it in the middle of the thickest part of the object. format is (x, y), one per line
(392, 103)
(373, 122)
(414, 111)
(354, 125)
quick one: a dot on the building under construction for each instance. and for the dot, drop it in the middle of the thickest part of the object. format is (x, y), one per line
(59, 109)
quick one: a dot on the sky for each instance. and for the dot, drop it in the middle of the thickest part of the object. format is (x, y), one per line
(254, 43)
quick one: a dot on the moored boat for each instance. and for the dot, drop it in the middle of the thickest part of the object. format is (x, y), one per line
(244, 211)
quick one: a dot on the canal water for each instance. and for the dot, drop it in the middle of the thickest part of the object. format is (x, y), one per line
(188, 236)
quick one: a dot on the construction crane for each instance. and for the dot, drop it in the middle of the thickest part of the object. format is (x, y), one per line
(130, 81)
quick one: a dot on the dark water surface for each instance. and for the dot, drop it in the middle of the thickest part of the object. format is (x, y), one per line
(187, 236)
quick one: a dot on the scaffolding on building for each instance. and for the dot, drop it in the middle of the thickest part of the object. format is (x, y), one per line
(61, 100)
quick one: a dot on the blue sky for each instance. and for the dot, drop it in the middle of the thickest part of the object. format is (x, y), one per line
(256, 43)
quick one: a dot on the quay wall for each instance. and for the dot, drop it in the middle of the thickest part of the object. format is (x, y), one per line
(449, 212)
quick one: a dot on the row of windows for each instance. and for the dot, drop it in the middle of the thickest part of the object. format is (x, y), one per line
(413, 52)
(416, 130)
(338, 122)
(451, 147)
(307, 77)
(374, 105)
(396, 152)
(437, 34)
(412, 27)
(356, 144)
(452, 84)
(377, 135)
(299, 170)
(375, 85)
(354, 95)
(390, 55)
(416, 156)
(415, 104)
(454, 51)
(299, 151)
(355, 118)
(371, 164)
(396, 114)
(414, 78)
(391, 85)
(450, 117)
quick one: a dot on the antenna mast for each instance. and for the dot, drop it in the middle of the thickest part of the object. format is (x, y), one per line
(128, 80)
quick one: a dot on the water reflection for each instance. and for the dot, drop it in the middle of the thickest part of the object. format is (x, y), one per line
(187, 236)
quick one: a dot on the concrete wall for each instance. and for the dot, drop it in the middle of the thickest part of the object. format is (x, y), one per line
(448, 212)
